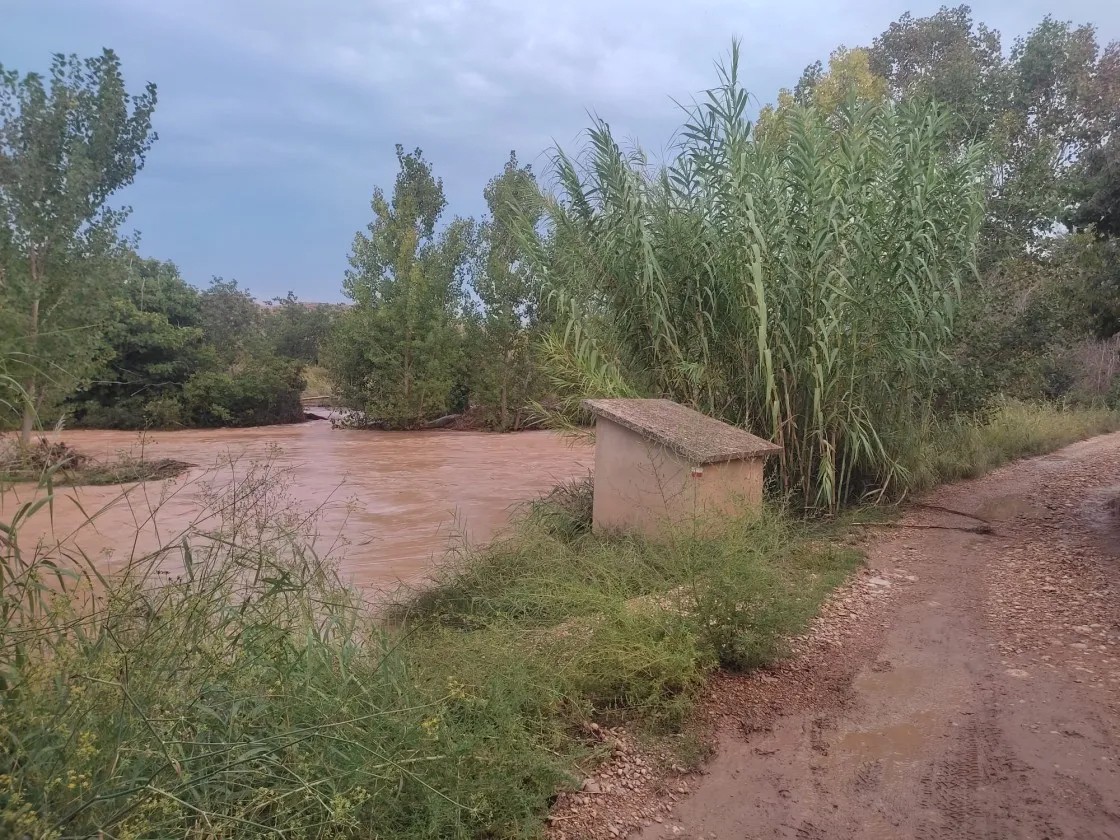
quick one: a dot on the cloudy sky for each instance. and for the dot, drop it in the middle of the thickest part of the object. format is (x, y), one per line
(277, 117)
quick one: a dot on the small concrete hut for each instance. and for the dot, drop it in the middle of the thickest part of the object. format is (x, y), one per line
(659, 463)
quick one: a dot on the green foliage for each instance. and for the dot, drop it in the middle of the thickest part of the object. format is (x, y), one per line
(947, 58)
(232, 320)
(253, 695)
(178, 358)
(849, 74)
(297, 330)
(1041, 110)
(1099, 208)
(261, 392)
(635, 624)
(1025, 321)
(67, 145)
(802, 285)
(156, 345)
(397, 352)
(505, 375)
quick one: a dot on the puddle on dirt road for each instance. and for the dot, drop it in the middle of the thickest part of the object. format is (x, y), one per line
(1003, 508)
(898, 742)
(900, 683)
(904, 730)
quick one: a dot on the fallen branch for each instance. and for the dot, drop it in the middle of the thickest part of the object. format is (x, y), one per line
(968, 529)
(953, 511)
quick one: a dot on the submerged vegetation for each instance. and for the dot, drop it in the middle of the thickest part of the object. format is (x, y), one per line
(58, 464)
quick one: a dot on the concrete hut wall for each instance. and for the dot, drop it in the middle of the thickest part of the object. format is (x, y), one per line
(643, 486)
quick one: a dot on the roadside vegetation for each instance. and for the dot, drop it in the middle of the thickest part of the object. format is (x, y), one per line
(970, 447)
(905, 271)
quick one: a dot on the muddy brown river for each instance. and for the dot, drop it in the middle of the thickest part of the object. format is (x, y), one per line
(386, 505)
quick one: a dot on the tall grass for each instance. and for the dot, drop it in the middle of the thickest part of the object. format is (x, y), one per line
(968, 447)
(230, 684)
(801, 283)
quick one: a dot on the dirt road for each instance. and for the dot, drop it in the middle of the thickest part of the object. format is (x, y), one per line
(976, 696)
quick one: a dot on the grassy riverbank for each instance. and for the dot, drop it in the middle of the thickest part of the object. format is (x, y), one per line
(253, 694)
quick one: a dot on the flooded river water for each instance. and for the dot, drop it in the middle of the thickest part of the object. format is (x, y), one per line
(386, 504)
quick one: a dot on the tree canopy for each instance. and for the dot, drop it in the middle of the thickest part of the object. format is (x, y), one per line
(68, 143)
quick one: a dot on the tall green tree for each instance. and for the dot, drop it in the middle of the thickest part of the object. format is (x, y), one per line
(68, 143)
(156, 344)
(506, 377)
(1099, 168)
(1039, 109)
(296, 330)
(232, 319)
(1099, 207)
(396, 352)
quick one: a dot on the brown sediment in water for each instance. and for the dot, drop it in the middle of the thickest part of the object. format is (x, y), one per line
(387, 504)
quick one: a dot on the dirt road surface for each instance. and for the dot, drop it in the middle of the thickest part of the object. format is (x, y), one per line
(978, 696)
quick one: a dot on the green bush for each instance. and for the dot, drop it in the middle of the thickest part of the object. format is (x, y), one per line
(164, 412)
(264, 392)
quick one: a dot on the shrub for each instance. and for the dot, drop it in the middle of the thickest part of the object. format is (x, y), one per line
(264, 392)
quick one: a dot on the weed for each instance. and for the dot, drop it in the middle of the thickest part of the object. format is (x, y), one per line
(253, 693)
(965, 447)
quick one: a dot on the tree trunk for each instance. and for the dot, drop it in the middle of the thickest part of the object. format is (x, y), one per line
(31, 395)
(28, 420)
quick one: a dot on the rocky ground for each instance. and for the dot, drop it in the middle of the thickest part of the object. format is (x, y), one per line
(965, 685)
